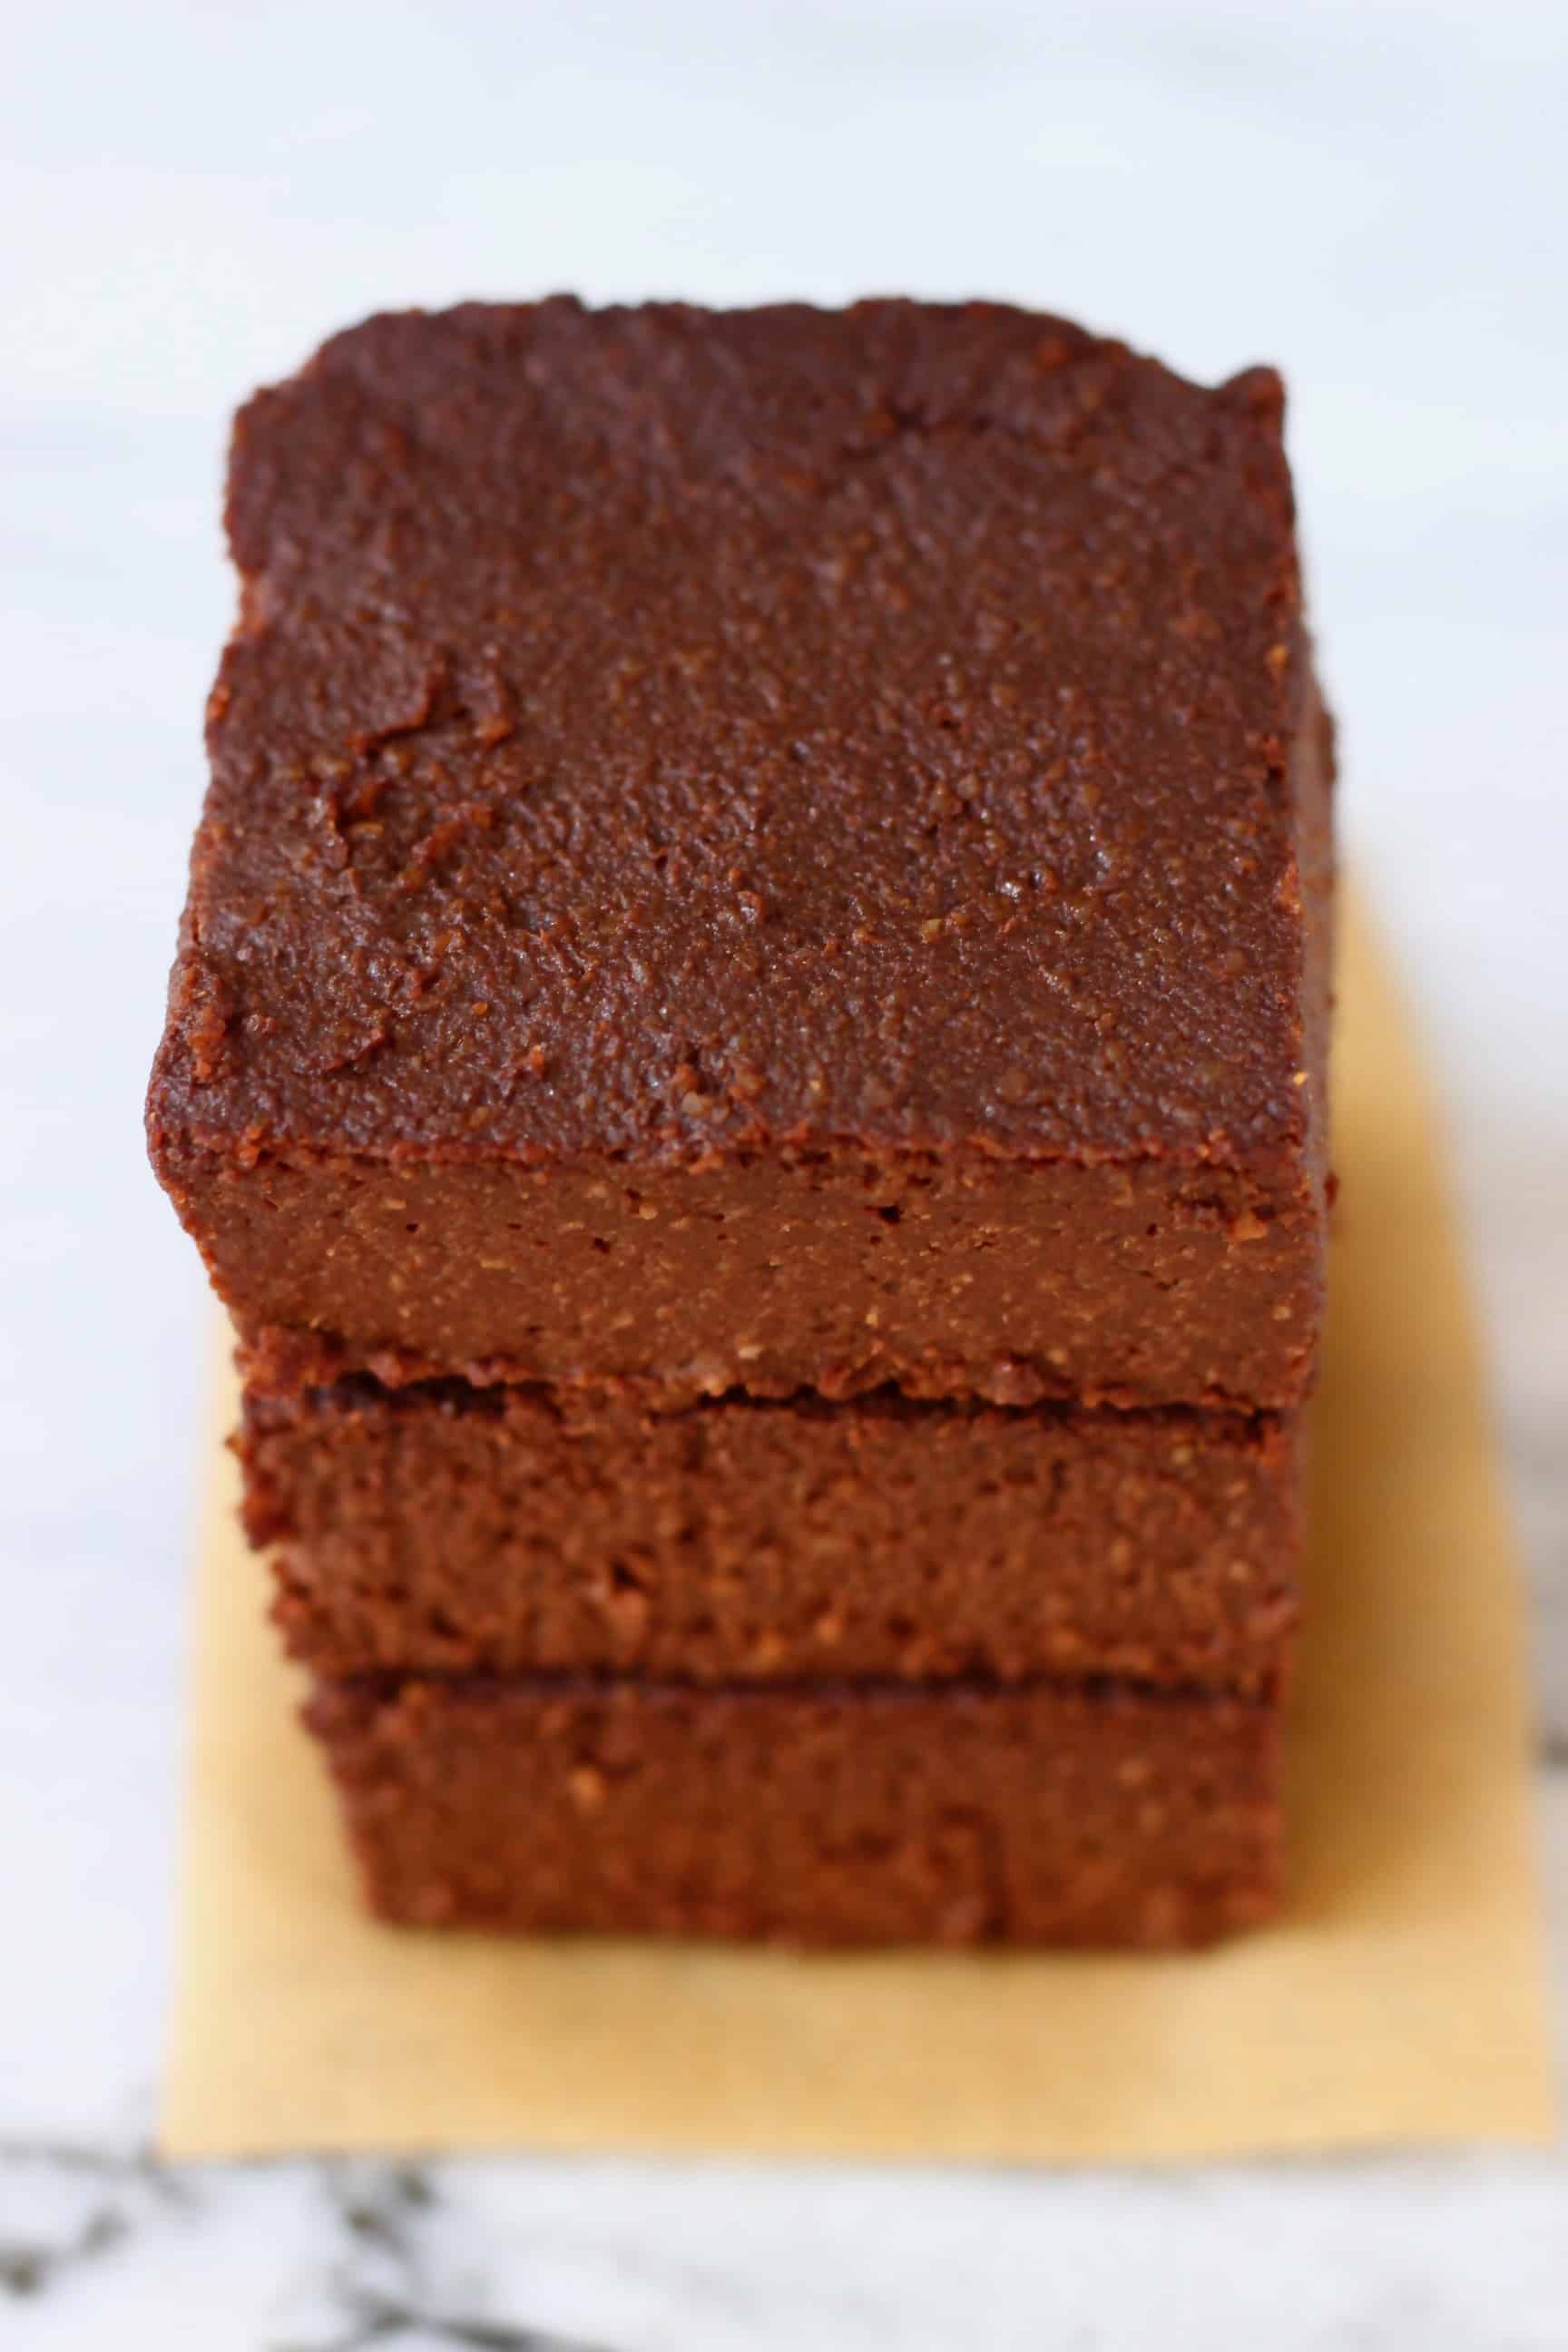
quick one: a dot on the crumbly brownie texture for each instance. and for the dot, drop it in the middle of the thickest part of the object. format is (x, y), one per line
(766, 849)
(516, 1530)
(860, 1814)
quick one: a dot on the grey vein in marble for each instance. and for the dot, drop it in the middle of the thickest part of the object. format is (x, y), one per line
(382, 2282)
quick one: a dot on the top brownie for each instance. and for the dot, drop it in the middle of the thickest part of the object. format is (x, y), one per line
(757, 850)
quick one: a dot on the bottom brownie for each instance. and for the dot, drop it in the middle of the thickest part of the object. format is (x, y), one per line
(821, 1814)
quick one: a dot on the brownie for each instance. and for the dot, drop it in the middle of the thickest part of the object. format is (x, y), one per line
(810, 1813)
(518, 1529)
(762, 850)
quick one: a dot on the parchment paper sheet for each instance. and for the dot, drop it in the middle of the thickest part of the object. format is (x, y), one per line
(1401, 2000)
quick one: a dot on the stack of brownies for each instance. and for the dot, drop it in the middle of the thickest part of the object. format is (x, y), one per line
(748, 1054)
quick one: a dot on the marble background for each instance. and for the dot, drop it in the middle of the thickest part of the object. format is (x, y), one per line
(1373, 196)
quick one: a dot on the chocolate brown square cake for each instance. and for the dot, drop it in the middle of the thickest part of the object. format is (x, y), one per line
(769, 849)
(749, 1055)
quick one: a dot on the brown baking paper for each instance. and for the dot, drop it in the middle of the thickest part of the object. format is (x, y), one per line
(1401, 2000)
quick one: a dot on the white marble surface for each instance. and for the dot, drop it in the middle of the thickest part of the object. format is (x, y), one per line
(1373, 195)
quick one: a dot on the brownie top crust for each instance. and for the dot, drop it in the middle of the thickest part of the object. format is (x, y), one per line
(654, 733)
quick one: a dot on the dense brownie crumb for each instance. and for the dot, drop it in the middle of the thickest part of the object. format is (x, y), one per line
(855, 1814)
(455, 1529)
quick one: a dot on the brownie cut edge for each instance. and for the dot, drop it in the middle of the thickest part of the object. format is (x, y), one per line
(810, 1814)
(450, 1531)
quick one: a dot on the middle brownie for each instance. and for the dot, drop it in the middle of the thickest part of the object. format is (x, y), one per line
(448, 1528)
